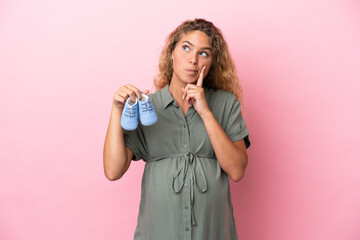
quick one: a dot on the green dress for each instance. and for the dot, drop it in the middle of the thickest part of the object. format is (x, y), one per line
(185, 194)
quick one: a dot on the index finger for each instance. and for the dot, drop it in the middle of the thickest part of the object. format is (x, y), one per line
(135, 89)
(201, 77)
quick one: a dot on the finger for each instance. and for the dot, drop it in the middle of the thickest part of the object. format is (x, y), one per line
(201, 77)
(192, 96)
(120, 99)
(136, 92)
(145, 91)
(124, 95)
(188, 99)
(191, 86)
(187, 88)
(133, 97)
(196, 93)
(129, 92)
(186, 96)
(184, 93)
(191, 101)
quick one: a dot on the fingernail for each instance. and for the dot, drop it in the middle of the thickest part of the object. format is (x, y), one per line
(182, 98)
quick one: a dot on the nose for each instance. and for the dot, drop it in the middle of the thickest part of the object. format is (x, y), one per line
(193, 58)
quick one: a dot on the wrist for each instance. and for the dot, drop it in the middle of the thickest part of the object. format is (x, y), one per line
(115, 108)
(206, 115)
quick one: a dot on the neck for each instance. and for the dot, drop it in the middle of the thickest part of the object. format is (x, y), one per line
(176, 92)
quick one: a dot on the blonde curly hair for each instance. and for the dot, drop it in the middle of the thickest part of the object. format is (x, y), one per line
(222, 74)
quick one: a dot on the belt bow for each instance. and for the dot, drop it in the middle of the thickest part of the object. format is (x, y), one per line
(190, 165)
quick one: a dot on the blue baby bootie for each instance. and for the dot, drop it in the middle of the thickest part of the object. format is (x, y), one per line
(146, 111)
(130, 115)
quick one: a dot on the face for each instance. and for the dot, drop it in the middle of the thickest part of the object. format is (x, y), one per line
(191, 53)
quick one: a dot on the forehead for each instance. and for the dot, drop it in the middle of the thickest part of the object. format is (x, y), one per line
(197, 38)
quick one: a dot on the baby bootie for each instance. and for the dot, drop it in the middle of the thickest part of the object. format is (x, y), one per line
(130, 115)
(146, 111)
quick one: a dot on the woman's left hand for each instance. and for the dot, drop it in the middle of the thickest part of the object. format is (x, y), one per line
(194, 94)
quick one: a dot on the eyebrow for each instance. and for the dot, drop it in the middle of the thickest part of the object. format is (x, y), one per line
(208, 48)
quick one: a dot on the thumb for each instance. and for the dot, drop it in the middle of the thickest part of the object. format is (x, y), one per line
(145, 91)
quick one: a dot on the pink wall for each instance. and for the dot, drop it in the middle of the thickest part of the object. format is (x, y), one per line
(61, 62)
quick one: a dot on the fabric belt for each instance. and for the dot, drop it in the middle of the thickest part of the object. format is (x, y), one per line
(190, 165)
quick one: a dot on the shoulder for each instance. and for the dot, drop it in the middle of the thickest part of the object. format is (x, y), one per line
(156, 97)
(157, 93)
(220, 97)
(161, 98)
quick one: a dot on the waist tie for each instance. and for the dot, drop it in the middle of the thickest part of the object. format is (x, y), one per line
(189, 165)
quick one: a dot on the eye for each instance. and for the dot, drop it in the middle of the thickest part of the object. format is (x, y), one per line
(186, 47)
(204, 54)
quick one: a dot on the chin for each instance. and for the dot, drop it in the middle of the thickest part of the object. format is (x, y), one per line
(190, 80)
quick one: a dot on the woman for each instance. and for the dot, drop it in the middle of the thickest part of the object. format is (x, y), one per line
(199, 140)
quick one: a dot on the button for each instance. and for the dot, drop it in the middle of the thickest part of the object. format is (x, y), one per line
(185, 185)
(186, 207)
(185, 146)
(184, 126)
(187, 229)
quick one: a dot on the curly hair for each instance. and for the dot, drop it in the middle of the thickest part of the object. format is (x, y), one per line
(222, 73)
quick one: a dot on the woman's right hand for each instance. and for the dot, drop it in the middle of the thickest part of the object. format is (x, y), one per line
(123, 93)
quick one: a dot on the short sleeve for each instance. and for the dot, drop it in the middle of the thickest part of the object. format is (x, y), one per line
(132, 141)
(235, 126)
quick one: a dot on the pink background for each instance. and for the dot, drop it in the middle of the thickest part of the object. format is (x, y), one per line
(61, 62)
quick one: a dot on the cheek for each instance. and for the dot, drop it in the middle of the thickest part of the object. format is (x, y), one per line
(206, 63)
(208, 67)
(178, 60)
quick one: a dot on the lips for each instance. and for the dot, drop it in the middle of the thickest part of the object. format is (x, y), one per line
(192, 71)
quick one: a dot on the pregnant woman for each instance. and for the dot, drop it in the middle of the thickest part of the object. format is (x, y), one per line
(198, 142)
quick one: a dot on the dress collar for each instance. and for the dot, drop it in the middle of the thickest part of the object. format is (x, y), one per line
(166, 96)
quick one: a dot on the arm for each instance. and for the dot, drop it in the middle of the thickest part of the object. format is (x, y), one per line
(116, 156)
(232, 156)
